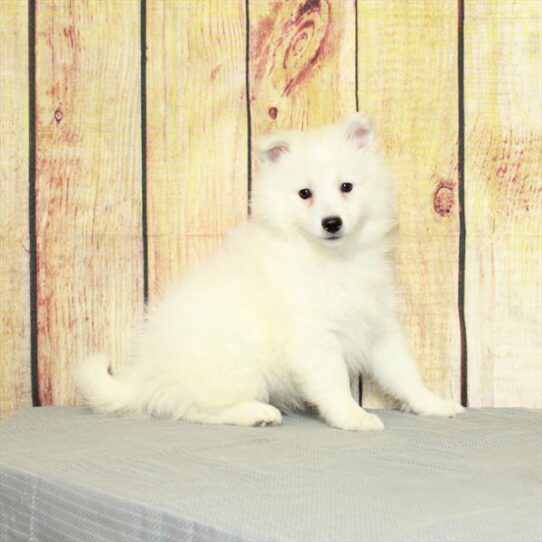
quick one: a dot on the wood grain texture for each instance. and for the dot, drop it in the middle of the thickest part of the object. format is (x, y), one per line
(197, 131)
(15, 384)
(88, 185)
(503, 188)
(302, 63)
(407, 69)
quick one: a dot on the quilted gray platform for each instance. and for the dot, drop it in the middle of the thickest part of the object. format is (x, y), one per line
(67, 474)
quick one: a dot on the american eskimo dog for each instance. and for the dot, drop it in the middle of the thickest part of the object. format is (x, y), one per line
(300, 298)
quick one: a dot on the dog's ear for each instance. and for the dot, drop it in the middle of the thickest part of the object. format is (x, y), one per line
(359, 130)
(270, 149)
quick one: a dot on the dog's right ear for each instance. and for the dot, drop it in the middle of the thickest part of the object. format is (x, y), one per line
(271, 148)
(359, 130)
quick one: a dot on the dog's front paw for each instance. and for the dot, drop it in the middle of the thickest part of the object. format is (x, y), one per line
(433, 405)
(358, 420)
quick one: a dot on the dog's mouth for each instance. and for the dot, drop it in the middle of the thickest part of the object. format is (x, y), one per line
(333, 238)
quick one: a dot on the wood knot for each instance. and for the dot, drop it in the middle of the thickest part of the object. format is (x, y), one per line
(58, 115)
(308, 5)
(290, 41)
(304, 38)
(443, 198)
(273, 112)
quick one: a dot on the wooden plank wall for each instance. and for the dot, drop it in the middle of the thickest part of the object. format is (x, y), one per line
(196, 104)
(134, 146)
(88, 185)
(503, 196)
(15, 384)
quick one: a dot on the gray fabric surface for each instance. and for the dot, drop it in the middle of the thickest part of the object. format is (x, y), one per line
(67, 474)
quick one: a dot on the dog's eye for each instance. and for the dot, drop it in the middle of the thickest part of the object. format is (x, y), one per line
(305, 193)
(346, 187)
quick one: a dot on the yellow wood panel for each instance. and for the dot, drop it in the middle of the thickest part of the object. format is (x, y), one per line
(503, 188)
(88, 184)
(197, 130)
(14, 244)
(407, 68)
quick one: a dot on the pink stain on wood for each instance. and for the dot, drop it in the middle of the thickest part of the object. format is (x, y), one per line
(512, 183)
(261, 34)
(46, 389)
(44, 309)
(70, 35)
(215, 70)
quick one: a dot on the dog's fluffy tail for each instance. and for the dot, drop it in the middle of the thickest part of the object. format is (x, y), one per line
(100, 390)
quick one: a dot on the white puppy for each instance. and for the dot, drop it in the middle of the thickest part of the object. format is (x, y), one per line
(301, 297)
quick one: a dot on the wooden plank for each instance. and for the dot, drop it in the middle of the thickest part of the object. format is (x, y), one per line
(88, 185)
(15, 386)
(503, 97)
(302, 66)
(407, 67)
(197, 130)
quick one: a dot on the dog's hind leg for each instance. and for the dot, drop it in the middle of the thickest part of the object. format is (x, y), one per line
(244, 413)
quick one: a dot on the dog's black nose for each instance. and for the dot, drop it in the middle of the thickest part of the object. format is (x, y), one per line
(332, 224)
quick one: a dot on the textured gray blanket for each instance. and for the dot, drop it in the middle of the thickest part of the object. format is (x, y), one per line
(67, 474)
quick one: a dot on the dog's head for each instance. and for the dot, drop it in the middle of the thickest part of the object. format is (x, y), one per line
(328, 185)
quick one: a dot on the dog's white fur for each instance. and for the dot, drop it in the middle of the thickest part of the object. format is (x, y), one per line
(283, 314)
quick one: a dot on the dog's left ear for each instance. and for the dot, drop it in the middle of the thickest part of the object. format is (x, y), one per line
(271, 148)
(359, 130)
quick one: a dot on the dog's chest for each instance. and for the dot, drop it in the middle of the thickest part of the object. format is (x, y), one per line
(346, 296)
